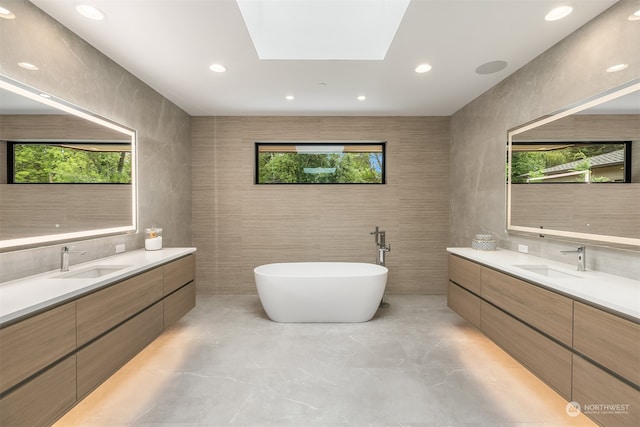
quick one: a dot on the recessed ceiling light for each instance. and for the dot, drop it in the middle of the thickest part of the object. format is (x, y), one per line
(635, 16)
(618, 67)
(423, 68)
(361, 97)
(90, 12)
(6, 13)
(289, 97)
(28, 66)
(558, 13)
(45, 95)
(217, 68)
(491, 67)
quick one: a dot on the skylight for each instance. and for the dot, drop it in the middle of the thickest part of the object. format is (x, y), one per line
(322, 30)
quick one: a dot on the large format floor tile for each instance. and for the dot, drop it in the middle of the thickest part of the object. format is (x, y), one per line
(415, 364)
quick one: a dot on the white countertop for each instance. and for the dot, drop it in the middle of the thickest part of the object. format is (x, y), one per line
(24, 296)
(614, 293)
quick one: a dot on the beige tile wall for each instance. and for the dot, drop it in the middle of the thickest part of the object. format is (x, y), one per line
(238, 225)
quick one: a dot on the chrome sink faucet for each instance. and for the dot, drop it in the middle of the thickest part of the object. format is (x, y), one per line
(64, 259)
(582, 257)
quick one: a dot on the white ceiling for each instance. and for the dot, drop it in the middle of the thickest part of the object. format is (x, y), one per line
(169, 44)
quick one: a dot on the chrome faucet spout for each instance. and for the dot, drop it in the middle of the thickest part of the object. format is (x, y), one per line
(64, 258)
(582, 257)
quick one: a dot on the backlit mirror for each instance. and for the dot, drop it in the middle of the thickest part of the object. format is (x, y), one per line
(575, 173)
(65, 173)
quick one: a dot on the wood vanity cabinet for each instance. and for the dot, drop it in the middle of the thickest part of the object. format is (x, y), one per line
(103, 357)
(463, 302)
(603, 397)
(102, 310)
(179, 298)
(544, 310)
(178, 273)
(550, 361)
(464, 285)
(179, 303)
(609, 340)
(586, 354)
(606, 366)
(42, 400)
(31, 345)
(465, 273)
(50, 361)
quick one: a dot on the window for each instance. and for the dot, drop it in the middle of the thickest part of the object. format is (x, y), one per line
(570, 162)
(320, 163)
(68, 163)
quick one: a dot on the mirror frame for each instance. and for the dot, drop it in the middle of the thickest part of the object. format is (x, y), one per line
(19, 88)
(625, 89)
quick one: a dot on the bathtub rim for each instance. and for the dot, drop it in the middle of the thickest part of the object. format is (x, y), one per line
(372, 269)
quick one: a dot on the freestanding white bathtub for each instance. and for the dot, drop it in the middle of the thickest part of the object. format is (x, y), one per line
(320, 291)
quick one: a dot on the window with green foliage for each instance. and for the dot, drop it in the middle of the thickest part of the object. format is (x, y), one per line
(69, 163)
(320, 163)
(570, 162)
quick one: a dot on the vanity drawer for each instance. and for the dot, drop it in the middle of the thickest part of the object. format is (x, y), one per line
(545, 310)
(179, 303)
(179, 273)
(32, 344)
(42, 400)
(550, 361)
(607, 339)
(99, 360)
(102, 310)
(465, 273)
(593, 387)
(463, 302)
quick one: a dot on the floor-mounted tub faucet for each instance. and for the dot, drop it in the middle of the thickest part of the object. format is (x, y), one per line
(582, 257)
(64, 259)
(381, 245)
(382, 248)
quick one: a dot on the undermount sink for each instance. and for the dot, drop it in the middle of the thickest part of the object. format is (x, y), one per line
(91, 272)
(545, 270)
